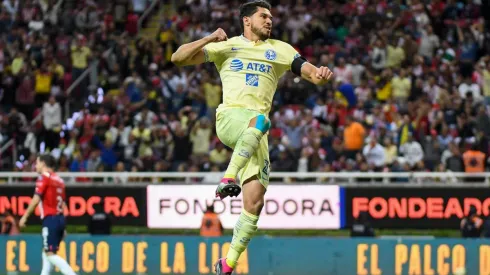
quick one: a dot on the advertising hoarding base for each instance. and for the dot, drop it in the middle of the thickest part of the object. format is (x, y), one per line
(265, 255)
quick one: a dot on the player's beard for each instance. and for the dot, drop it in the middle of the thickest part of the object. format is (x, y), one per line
(261, 33)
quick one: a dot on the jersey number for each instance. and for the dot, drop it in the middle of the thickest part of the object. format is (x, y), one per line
(59, 205)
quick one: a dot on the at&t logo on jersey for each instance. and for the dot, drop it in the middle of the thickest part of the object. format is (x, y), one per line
(270, 54)
(259, 67)
(237, 65)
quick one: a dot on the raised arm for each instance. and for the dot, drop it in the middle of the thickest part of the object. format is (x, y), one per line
(316, 75)
(193, 53)
(301, 67)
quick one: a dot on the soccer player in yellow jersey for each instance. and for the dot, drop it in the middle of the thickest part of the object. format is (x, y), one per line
(250, 66)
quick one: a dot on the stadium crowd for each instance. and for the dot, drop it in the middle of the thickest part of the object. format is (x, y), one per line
(411, 89)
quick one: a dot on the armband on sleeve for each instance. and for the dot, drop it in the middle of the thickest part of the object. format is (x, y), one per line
(297, 64)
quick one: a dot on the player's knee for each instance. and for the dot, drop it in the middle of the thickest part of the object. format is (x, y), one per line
(261, 123)
(49, 253)
(254, 206)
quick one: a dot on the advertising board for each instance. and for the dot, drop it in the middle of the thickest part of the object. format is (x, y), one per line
(125, 205)
(415, 207)
(111, 255)
(286, 207)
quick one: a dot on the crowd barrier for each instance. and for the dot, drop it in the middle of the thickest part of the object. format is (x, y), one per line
(286, 206)
(352, 178)
(265, 255)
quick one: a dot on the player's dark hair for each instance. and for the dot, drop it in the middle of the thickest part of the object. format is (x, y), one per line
(48, 160)
(248, 9)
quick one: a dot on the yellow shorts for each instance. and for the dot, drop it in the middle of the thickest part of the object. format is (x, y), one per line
(230, 125)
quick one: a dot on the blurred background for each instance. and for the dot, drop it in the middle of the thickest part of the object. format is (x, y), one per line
(395, 147)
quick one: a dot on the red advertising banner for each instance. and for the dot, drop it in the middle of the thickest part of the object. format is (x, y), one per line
(415, 207)
(126, 205)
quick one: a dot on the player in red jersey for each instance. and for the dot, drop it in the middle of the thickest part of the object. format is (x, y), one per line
(50, 196)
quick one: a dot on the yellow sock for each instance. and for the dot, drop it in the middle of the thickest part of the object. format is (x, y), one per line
(244, 149)
(245, 229)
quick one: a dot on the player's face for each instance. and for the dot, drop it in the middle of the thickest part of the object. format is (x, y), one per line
(39, 165)
(262, 23)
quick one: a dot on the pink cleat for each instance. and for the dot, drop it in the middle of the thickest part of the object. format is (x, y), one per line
(228, 187)
(222, 268)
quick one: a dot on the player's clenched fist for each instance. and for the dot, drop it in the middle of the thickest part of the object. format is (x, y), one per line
(219, 35)
(323, 73)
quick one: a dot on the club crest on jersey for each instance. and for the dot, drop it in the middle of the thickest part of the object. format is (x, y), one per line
(270, 55)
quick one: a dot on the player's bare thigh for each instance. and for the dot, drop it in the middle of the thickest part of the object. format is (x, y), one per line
(253, 195)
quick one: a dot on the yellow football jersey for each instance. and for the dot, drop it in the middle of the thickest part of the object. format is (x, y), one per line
(250, 70)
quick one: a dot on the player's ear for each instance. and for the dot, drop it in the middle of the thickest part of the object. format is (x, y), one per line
(246, 21)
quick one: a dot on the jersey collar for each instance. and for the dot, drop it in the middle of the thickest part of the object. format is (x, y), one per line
(249, 41)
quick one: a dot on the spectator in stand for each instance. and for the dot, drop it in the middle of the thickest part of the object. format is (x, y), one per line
(482, 123)
(374, 154)
(378, 55)
(454, 162)
(52, 123)
(432, 153)
(80, 55)
(391, 151)
(201, 137)
(43, 84)
(485, 79)
(401, 86)
(78, 164)
(342, 72)
(395, 54)
(108, 154)
(182, 144)
(354, 134)
(474, 162)
(132, 21)
(93, 162)
(219, 155)
(212, 93)
(429, 42)
(412, 151)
